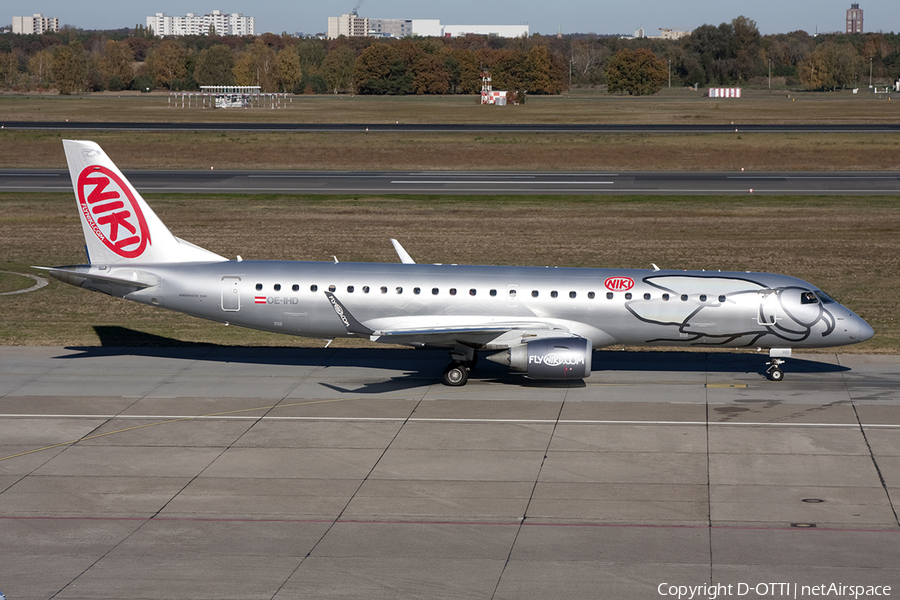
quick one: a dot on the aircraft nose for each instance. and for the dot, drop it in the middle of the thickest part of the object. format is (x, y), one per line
(864, 331)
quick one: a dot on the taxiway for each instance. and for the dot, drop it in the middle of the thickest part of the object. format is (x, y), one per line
(219, 472)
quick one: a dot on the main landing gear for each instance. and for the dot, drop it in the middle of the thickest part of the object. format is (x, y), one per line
(457, 372)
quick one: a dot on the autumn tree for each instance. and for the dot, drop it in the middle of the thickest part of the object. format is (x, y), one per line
(814, 73)
(40, 66)
(337, 69)
(430, 75)
(166, 63)
(637, 72)
(257, 66)
(117, 65)
(9, 69)
(289, 74)
(215, 65)
(467, 75)
(69, 68)
(380, 70)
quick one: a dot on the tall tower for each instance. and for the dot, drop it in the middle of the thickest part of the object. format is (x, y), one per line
(854, 19)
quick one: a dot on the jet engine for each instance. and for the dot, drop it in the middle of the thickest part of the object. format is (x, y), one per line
(549, 358)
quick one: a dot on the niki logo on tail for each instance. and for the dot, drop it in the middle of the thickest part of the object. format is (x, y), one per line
(120, 226)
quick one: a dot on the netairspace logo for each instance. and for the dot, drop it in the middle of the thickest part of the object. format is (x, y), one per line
(772, 590)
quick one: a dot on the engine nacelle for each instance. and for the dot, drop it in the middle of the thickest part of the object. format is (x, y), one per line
(549, 358)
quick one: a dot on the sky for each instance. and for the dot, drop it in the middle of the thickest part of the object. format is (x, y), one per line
(571, 16)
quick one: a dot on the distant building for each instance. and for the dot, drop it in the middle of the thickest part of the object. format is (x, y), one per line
(352, 25)
(193, 24)
(349, 25)
(665, 33)
(35, 24)
(854, 19)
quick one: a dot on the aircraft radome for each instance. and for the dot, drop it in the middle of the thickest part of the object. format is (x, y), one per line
(545, 322)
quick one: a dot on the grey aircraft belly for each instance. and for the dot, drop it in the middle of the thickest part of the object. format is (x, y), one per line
(541, 321)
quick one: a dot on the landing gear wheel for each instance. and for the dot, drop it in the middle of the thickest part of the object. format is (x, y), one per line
(775, 374)
(456, 374)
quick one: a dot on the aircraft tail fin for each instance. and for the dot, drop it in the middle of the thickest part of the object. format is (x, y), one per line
(119, 227)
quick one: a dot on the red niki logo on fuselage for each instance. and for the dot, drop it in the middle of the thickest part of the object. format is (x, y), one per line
(619, 284)
(112, 212)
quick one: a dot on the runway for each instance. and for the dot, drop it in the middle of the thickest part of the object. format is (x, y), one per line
(220, 472)
(457, 127)
(473, 182)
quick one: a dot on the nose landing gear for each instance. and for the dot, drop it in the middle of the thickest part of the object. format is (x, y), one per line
(776, 359)
(775, 372)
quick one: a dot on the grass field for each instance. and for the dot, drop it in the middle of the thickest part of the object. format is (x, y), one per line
(848, 246)
(466, 151)
(676, 106)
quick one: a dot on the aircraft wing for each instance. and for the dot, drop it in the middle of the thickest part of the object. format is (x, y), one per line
(424, 330)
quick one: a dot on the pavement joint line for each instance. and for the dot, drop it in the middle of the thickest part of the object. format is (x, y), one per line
(512, 523)
(225, 416)
(165, 421)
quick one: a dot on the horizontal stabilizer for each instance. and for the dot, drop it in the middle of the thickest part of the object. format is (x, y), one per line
(128, 278)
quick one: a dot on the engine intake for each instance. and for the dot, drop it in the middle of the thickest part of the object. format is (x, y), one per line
(549, 358)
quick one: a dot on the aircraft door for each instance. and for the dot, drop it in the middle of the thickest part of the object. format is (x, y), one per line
(512, 295)
(231, 294)
(768, 307)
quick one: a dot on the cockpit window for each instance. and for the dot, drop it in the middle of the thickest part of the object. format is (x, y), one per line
(825, 298)
(808, 298)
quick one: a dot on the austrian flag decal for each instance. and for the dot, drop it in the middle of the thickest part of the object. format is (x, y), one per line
(259, 299)
(112, 212)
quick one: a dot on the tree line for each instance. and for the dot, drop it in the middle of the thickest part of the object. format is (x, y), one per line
(734, 53)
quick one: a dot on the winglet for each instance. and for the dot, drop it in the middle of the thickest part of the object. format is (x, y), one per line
(405, 258)
(350, 322)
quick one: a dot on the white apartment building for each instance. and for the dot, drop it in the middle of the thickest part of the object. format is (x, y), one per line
(194, 24)
(352, 25)
(37, 23)
(349, 25)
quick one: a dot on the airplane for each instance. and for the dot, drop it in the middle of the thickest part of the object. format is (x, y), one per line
(542, 321)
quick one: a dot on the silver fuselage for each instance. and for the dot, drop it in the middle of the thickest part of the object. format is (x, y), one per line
(606, 306)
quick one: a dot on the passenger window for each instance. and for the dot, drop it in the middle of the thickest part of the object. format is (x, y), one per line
(702, 297)
(646, 296)
(258, 287)
(331, 288)
(365, 289)
(534, 293)
(472, 292)
(452, 291)
(609, 295)
(399, 290)
(684, 297)
(628, 295)
(665, 297)
(349, 289)
(295, 288)
(277, 287)
(591, 295)
(417, 291)
(493, 292)
(384, 289)
(554, 294)
(722, 298)
(512, 293)
(313, 288)
(434, 291)
(572, 294)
